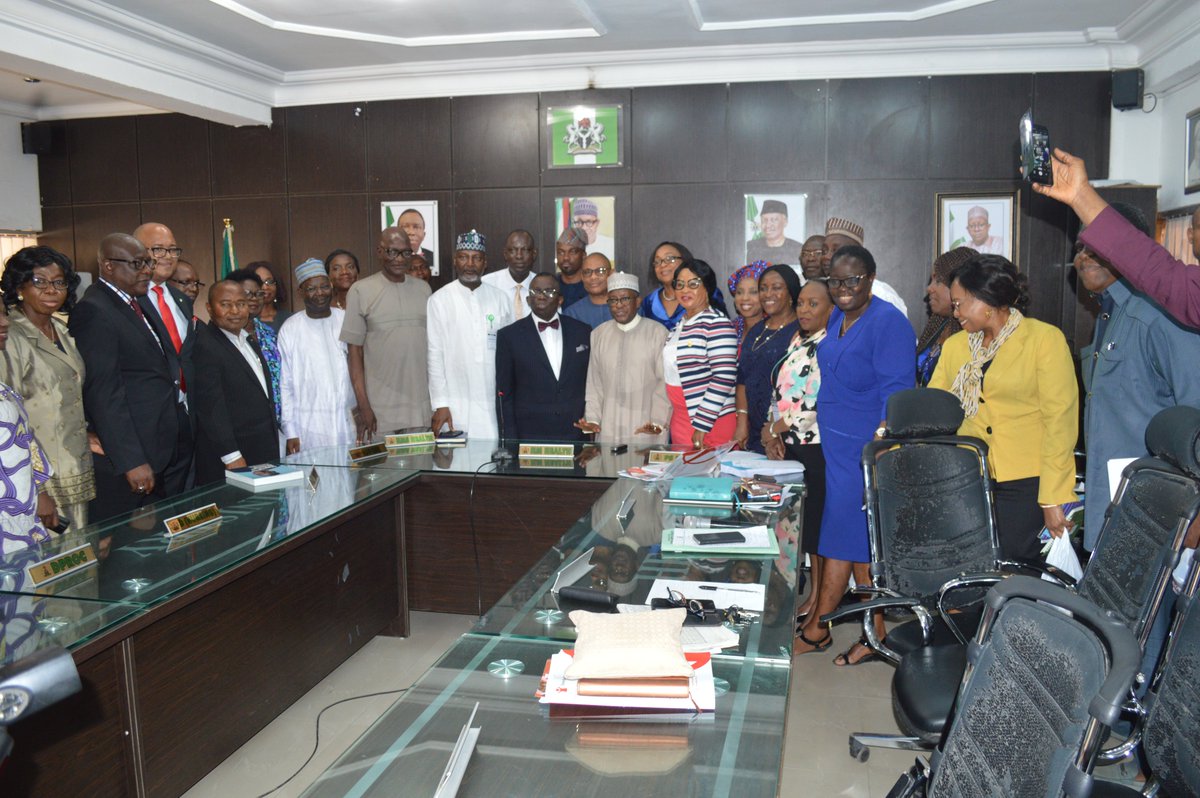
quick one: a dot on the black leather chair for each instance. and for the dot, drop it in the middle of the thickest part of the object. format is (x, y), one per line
(1169, 728)
(1127, 575)
(1041, 689)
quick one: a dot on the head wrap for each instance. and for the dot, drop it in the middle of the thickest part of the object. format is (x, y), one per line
(471, 240)
(754, 270)
(938, 328)
(623, 280)
(310, 268)
(774, 206)
(950, 260)
(584, 207)
(573, 237)
(845, 227)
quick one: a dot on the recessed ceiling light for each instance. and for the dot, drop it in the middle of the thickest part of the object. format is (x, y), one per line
(32, 80)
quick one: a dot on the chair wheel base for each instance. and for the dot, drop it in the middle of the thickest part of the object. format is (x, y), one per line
(859, 751)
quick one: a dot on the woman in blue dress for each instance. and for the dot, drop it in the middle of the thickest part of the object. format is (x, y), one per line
(661, 304)
(866, 356)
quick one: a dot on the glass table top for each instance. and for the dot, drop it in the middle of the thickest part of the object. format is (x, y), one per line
(136, 563)
(595, 461)
(521, 751)
(29, 623)
(624, 531)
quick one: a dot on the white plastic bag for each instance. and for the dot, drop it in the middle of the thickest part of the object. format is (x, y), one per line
(1062, 557)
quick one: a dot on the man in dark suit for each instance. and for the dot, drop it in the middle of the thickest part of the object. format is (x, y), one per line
(541, 368)
(172, 307)
(233, 403)
(131, 394)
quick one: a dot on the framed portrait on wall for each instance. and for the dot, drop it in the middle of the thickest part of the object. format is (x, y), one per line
(775, 227)
(418, 218)
(985, 222)
(1191, 179)
(595, 216)
(585, 136)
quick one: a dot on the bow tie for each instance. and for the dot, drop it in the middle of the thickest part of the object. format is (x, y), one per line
(543, 325)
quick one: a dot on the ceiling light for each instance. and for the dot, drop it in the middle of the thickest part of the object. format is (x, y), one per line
(32, 80)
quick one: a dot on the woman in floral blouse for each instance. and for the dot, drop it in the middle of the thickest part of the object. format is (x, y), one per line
(791, 431)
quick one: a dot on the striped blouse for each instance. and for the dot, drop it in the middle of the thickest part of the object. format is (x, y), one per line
(707, 360)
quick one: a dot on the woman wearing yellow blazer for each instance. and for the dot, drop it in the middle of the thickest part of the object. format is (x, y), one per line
(1016, 381)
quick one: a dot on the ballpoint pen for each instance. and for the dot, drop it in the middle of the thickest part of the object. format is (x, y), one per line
(722, 587)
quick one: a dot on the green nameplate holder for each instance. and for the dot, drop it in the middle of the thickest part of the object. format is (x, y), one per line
(60, 565)
(368, 451)
(397, 440)
(192, 519)
(663, 456)
(556, 450)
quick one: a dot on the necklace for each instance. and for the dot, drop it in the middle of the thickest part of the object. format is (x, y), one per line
(846, 326)
(759, 341)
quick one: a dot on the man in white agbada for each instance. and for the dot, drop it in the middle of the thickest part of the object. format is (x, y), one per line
(462, 320)
(626, 392)
(315, 394)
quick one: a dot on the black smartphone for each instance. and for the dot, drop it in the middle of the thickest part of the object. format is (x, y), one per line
(63, 523)
(451, 435)
(1035, 151)
(714, 538)
(620, 448)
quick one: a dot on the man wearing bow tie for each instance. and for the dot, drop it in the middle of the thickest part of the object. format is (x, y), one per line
(541, 369)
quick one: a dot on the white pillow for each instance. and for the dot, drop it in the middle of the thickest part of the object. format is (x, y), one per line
(628, 645)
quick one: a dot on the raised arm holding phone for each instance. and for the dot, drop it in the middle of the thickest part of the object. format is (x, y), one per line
(1147, 265)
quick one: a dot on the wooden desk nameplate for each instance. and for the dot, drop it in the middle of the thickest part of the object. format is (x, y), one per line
(557, 450)
(368, 451)
(186, 522)
(60, 565)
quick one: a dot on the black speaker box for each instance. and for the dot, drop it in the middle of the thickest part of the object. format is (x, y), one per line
(42, 138)
(1128, 87)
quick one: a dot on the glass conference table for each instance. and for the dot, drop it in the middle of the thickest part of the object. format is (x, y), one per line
(522, 751)
(138, 566)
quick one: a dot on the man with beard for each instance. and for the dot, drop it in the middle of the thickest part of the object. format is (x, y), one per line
(464, 318)
(569, 252)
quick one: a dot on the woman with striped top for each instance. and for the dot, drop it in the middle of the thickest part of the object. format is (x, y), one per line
(700, 362)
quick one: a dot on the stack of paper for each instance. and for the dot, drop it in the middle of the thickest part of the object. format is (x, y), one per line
(760, 541)
(588, 698)
(695, 639)
(749, 464)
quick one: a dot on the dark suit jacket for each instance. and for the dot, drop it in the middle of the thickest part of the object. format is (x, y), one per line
(535, 405)
(232, 413)
(150, 307)
(131, 384)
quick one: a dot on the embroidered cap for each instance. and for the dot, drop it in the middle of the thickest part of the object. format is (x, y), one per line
(623, 280)
(472, 240)
(845, 227)
(310, 268)
(584, 207)
(573, 237)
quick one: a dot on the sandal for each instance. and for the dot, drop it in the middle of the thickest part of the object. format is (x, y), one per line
(843, 660)
(817, 645)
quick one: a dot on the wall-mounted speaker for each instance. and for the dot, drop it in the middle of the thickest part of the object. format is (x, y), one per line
(1128, 88)
(42, 138)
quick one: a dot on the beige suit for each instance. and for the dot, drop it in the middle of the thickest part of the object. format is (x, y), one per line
(51, 383)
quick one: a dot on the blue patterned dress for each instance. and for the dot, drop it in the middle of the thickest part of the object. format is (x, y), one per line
(270, 350)
(23, 470)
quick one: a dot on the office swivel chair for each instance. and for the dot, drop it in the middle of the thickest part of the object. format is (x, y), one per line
(1169, 729)
(1041, 689)
(1127, 574)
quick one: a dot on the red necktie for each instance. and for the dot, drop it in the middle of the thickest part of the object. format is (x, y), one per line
(544, 325)
(169, 322)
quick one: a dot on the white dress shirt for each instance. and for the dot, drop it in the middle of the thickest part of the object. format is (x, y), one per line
(503, 281)
(552, 343)
(241, 342)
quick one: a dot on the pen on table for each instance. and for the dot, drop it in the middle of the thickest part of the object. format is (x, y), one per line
(722, 587)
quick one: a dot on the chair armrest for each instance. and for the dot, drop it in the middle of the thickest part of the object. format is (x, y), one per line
(1057, 575)
(887, 602)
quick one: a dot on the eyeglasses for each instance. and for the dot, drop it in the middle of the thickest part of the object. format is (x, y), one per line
(316, 289)
(138, 265)
(270, 281)
(613, 301)
(586, 222)
(1080, 249)
(255, 294)
(603, 270)
(811, 251)
(695, 282)
(398, 253)
(668, 260)
(166, 252)
(188, 283)
(848, 282)
(42, 284)
(549, 293)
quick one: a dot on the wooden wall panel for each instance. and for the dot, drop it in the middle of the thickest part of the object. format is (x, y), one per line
(878, 128)
(777, 130)
(408, 144)
(173, 157)
(1077, 107)
(94, 222)
(962, 147)
(249, 160)
(496, 213)
(326, 148)
(680, 134)
(320, 224)
(191, 222)
(103, 156)
(496, 141)
(58, 231)
(587, 175)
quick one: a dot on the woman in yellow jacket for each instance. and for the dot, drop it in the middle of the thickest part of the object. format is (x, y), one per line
(1016, 382)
